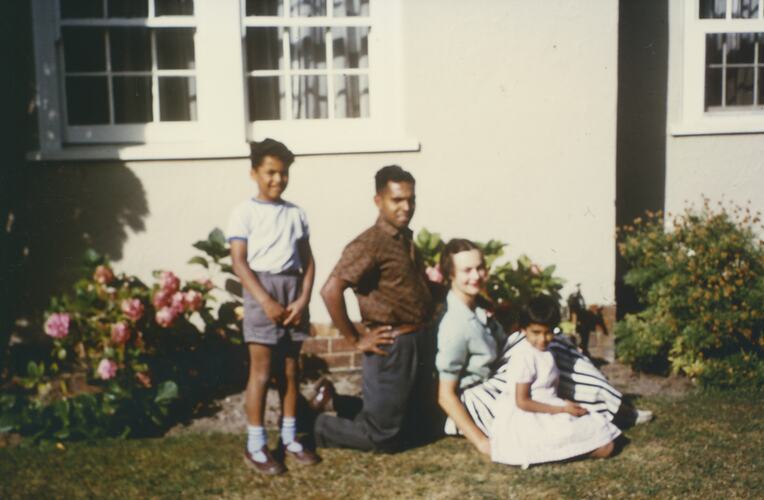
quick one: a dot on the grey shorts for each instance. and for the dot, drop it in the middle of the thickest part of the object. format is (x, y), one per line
(257, 327)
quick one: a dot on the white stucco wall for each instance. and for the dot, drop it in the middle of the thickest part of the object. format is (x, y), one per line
(514, 104)
(721, 167)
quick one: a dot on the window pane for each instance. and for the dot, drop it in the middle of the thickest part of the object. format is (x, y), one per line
(174, 7)
(351, 8)
(739, 86)
(132, 99)
(740, 48)
(309, 97)
(351, 96)
(175, 48)
(714, 48)
(745, 9)
(713, 87)
(266, 98)
(84, 49)
(307, 8)
(87, 100)
(81, 8)
(264, 7)
(308, 48)
(264, 50)
(128, 8)
(130, 49)
(713, 9)
(177, 99)
(350, 47)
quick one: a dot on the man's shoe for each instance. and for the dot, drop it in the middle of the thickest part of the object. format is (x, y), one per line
(643, 416)
(270, 467)
(302, 457)
(322, 401)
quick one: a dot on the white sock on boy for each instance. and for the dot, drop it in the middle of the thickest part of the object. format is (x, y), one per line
(256, 439)
(289, 434)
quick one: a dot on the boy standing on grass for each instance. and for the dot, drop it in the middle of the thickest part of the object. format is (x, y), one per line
(271, 255)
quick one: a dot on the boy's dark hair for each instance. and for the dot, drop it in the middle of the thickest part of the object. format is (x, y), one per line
(542, 310)
(391, 173)
(269, 147)
(454, 246)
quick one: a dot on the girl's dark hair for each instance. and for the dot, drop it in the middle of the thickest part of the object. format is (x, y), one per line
(542, 310)
(269, 147)
(454, 246)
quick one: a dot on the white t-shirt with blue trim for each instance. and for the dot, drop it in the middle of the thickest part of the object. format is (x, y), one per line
(272, 231)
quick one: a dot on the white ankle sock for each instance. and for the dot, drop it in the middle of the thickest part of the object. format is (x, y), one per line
(289, 434)
(256, 439)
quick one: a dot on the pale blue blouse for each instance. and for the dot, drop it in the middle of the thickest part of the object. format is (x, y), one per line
(469, 342)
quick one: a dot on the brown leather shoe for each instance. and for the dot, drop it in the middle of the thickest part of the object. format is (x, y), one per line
(322, 401)
(270, 467)
(302, 457)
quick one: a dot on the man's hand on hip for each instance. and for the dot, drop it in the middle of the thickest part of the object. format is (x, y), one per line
(370, 340)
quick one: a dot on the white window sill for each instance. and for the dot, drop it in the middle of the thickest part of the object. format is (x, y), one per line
(719, 125)
(193, 151)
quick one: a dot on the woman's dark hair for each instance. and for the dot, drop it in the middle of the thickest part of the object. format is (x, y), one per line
(454, 246)
(391, 173)
(269, 147)
(542, 310)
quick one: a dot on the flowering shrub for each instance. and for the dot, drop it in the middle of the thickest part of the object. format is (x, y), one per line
(509, 286)
(125, 356)
(701, 281)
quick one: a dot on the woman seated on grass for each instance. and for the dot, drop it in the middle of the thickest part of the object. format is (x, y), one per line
(474, 354)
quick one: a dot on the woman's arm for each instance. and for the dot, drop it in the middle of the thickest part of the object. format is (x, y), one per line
(524, 402)
(452, 405)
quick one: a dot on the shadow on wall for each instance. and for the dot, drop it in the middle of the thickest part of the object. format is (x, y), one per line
(67, 209)
(641, 138)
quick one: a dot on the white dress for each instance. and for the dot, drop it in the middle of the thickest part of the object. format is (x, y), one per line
(519, 437)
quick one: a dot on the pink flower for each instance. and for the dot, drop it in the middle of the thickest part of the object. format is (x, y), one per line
(132, 308)
(120, 333)
(103, 275)
(57, 325)
(194, 300)
(161, 298)
(178, 303)
(169, 282)
(535, 270)
(434, 274)
(165, 316)
(106, 369)
(207, 284)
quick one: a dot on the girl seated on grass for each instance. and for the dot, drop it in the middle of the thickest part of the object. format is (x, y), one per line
(533, 424)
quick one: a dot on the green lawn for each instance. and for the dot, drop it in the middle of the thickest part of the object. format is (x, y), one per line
(704, 445)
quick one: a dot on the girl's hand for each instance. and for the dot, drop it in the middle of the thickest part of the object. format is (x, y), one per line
(293, 313)
(574, 409)
(274, 311)
(484, 446)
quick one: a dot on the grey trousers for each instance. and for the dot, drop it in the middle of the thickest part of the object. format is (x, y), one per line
(398, 400)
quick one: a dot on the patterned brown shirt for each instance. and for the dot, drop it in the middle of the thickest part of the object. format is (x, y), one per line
(386, 272)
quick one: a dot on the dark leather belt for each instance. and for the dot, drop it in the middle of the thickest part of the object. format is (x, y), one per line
(401, 329)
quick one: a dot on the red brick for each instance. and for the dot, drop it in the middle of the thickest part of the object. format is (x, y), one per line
(315, 346)
(340, 344)
(336, 361)
(357, 360)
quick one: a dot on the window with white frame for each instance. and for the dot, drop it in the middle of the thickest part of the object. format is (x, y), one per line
(307, 59)
(723, 67)
(324, 76)
(126, 63)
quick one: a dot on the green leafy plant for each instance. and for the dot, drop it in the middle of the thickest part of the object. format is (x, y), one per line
(701, 280)
(127, 358)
